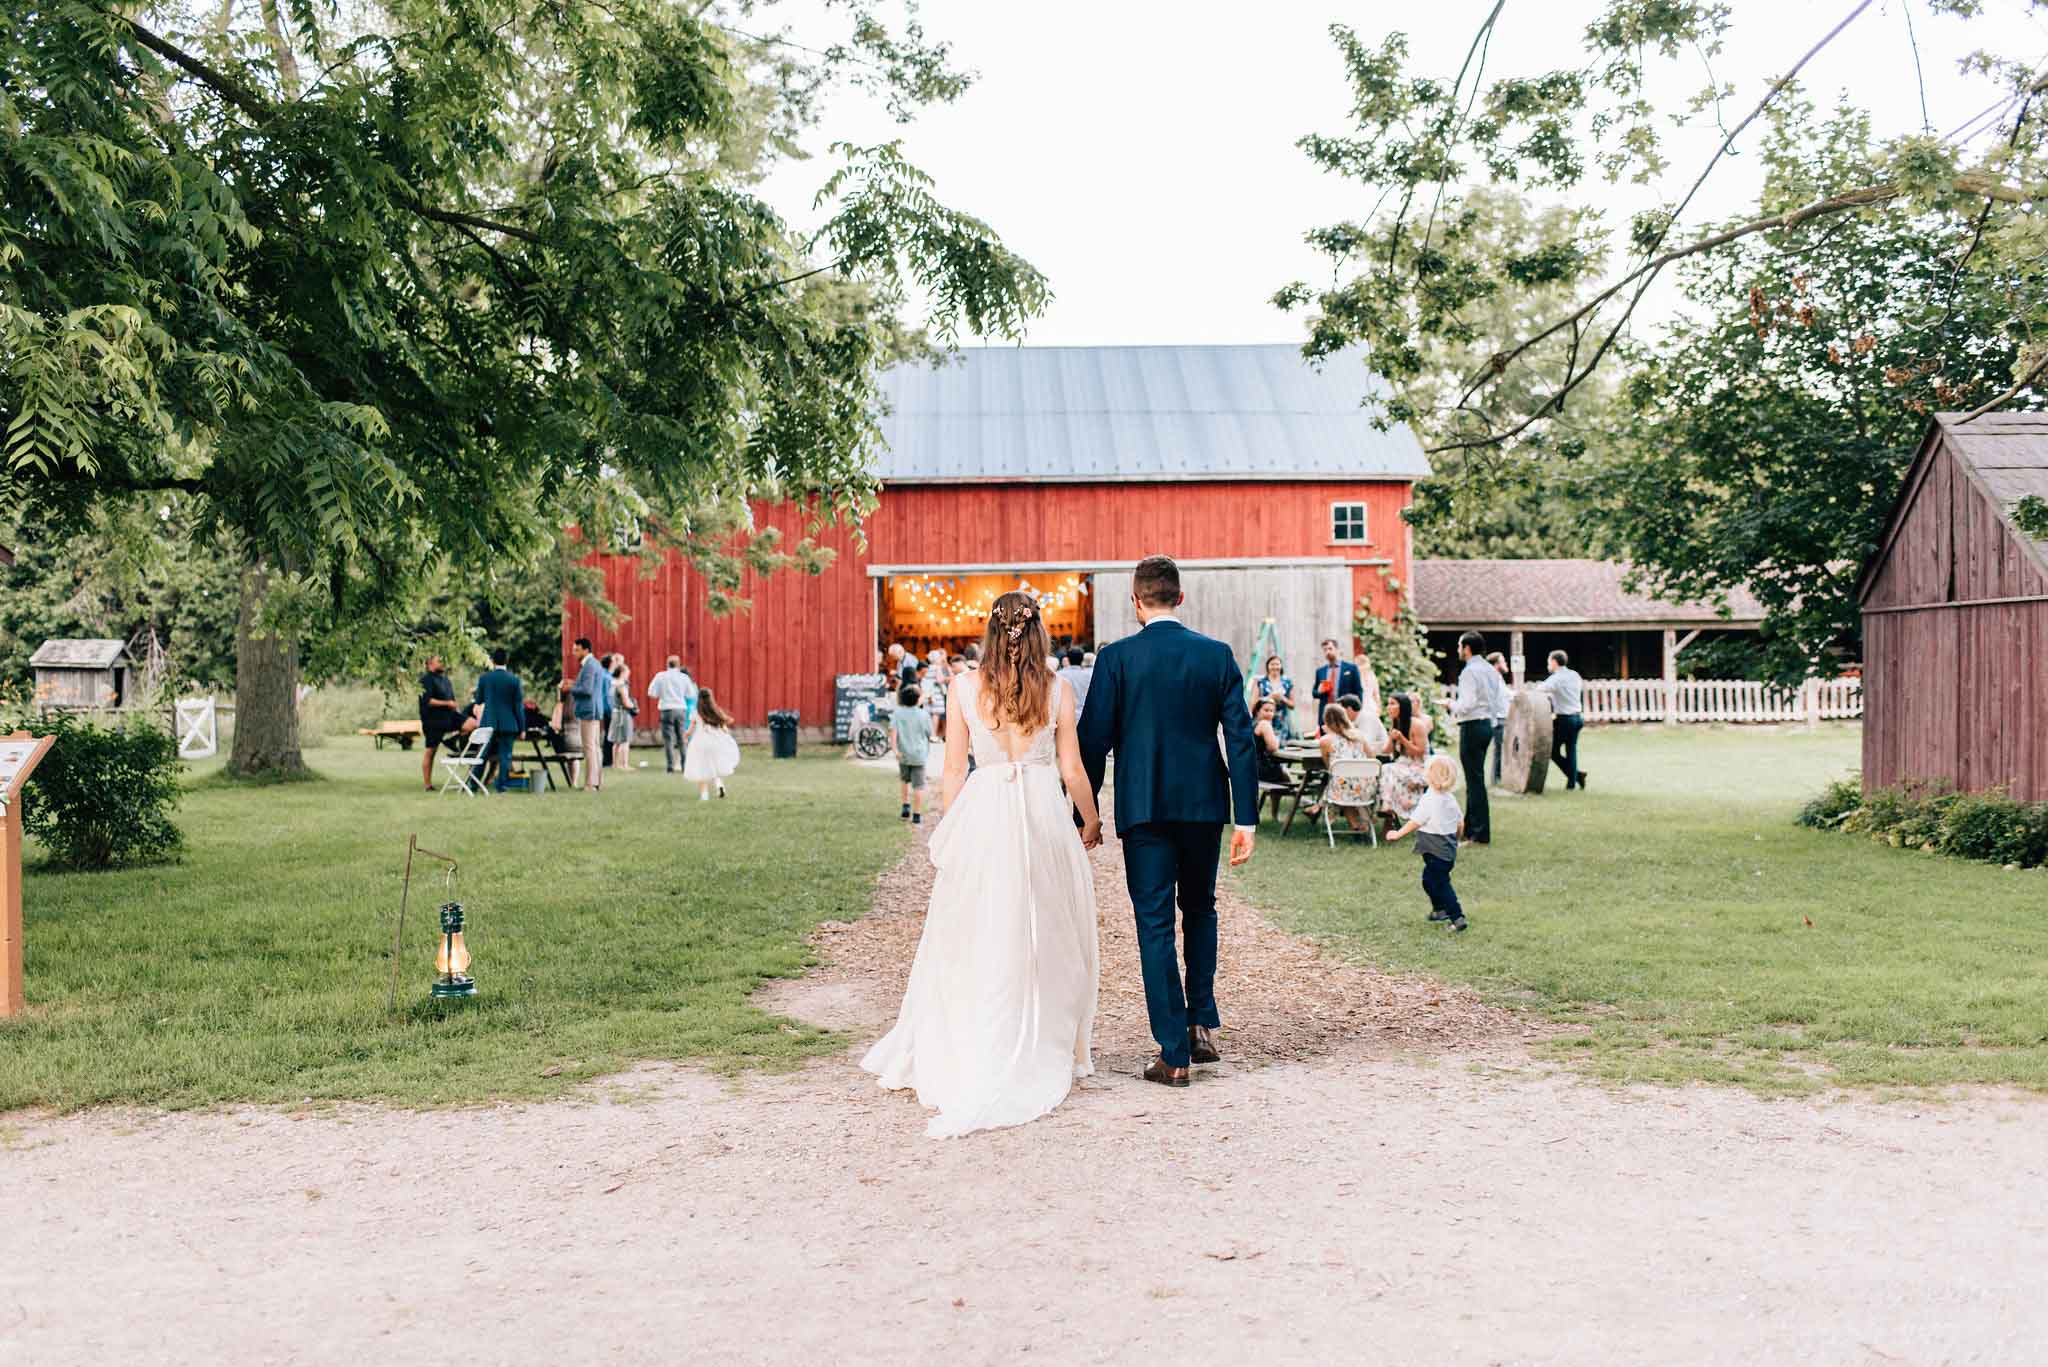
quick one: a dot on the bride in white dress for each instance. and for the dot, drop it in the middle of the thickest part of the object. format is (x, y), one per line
(997, 1019)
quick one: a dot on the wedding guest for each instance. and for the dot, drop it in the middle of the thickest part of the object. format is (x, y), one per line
(910, 736)
(1479, 688)
(713, 753)
(1078, 673)
(673, 692)
(439, 714)
(938, 681)
(625, 708)
(1335, 678)
(1567, 693)
(1438, 820)
(905, 663)
(1403, 780)
(1341, 740)
(1500, 710)
(590, 692)
(565, 731)
(1266, 734)
(1275, 684)
(502, 700)
(971, 657)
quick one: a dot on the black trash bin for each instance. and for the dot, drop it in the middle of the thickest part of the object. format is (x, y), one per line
(782, 734)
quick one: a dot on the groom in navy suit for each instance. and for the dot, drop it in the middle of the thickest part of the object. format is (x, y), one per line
(1156, 700)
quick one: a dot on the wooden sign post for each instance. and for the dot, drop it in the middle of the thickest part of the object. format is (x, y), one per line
(19, 755)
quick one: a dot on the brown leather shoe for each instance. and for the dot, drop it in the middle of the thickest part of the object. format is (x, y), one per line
(1202, 1045)
(1157, 1071)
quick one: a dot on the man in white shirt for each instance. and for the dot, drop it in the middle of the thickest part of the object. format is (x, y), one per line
(1567, 692)
(1480, 691)
(1077, 673)
(675, 693)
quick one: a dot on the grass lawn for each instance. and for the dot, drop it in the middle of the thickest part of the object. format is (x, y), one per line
(630, 925)
(1665, 909)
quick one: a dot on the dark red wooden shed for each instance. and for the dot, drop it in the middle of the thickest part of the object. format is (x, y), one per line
(1955, 616)
(1062, 466)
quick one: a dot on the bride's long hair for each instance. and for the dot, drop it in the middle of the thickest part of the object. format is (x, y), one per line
(1016, 682)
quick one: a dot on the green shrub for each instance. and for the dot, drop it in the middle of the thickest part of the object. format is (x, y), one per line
(1993, 828)
(1988, 827)
(1835, 803)
(103, 795)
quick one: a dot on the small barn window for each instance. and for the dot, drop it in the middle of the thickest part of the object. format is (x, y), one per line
(1347, 523)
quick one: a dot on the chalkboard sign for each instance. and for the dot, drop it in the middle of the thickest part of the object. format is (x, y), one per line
(849, 691)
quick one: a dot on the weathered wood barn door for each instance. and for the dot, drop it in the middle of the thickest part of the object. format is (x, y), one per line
(1306, 603)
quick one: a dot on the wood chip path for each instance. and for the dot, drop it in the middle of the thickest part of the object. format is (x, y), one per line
(1280, 996)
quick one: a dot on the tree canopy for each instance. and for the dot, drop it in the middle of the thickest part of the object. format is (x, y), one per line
(387, 288)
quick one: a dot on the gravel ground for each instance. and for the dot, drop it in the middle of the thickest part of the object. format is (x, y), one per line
(1377, 1173)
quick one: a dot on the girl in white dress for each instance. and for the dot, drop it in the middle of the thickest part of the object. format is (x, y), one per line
(712, 754)
(1000, 1010)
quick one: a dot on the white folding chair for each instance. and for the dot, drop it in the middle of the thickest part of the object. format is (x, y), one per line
(1360, 773)
(464, 767)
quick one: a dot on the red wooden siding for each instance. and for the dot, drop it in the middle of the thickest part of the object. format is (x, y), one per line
(803, 629)
(1955, 688)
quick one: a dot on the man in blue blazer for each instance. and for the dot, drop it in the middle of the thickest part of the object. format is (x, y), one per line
(503, 700)
(1336, 679)
(1157, 700)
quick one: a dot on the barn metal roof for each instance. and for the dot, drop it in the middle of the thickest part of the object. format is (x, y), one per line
(1482, 593)
(1165, 413)
(79, 654)
(2005, 453)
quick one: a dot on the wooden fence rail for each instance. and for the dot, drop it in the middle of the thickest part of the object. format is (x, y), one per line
(1711, 700)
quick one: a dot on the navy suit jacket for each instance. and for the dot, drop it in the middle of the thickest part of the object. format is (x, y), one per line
(1156, 701)
(504, 702)
(1348, 681)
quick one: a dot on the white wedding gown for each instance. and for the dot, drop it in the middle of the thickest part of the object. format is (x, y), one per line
(998, 1016)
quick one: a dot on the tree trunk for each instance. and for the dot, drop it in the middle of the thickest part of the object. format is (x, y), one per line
(266, 689)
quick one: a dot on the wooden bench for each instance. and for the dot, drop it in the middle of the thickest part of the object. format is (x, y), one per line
(404, 732)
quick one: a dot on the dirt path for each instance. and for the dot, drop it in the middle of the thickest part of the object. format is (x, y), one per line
(1378, 1173)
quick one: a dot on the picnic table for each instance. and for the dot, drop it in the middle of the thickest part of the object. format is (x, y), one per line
(1306, 765)
(404, 732)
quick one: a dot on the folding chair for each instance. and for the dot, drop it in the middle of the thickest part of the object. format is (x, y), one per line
(465, 766)
(1364, 773)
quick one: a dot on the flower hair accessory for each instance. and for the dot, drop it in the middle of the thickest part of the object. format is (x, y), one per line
(1015, 618)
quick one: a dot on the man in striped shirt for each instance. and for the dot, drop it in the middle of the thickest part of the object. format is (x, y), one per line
(1567, 704)
(1481, 693)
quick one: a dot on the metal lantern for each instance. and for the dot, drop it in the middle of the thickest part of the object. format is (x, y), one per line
(452, 962)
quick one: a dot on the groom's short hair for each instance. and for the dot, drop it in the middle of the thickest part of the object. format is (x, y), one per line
(1156, 581)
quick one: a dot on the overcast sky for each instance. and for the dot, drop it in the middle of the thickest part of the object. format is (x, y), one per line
(1142, 154)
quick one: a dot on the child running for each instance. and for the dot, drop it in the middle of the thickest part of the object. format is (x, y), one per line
(910, 735)
(712, 753)
(1441, 823)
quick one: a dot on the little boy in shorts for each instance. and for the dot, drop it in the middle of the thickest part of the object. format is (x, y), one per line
(910, 735)
(1441, 823)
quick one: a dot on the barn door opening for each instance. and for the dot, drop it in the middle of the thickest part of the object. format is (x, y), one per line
(944, 610)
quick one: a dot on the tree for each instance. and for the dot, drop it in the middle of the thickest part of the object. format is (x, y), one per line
(389, 289)
(1765, 435)
(1424, 280)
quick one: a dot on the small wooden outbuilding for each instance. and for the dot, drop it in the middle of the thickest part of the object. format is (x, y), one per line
(1955, 616)
(81, 674)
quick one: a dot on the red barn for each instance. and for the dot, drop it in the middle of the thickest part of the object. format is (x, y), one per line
(1955, 616)
(1061, 467)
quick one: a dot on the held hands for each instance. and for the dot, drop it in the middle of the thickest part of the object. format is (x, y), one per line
(1091, 832)
(1241, 843)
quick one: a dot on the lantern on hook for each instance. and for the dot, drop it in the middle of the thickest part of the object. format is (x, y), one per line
(452, 961)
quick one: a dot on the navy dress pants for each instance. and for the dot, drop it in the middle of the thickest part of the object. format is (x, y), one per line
(1169, 862)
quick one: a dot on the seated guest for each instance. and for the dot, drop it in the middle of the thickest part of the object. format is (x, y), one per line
(1341, 740)
(1403, 779)
(1266, 732)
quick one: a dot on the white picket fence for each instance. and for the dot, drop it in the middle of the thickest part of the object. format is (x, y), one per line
(1710, 700)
